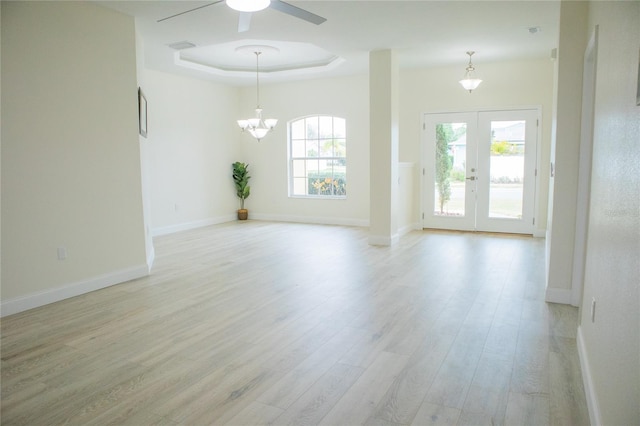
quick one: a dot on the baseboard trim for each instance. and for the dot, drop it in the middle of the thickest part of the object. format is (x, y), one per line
(171, 229)
(310, 219)
(35, 300)
(558, 295)
(383, 240)
(408, 228)
(151, 257)
(165, 230)
(539, 233)
(589, 390)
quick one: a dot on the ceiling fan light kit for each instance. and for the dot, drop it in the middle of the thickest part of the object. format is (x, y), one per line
(470, 81)
(248, 5)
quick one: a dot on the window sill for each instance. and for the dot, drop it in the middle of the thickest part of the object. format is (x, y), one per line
(319, 197)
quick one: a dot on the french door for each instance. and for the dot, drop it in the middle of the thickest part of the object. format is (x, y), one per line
(479, 170)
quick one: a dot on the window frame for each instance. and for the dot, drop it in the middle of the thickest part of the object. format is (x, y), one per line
(333, 158)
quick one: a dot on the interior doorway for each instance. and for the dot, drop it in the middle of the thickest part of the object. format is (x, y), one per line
(479, 170)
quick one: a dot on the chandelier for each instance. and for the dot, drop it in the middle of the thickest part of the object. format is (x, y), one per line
(257, 126)
(470, 81)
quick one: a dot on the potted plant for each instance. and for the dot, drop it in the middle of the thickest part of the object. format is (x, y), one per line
(243, 190)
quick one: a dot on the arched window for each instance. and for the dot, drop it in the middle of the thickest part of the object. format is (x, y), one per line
(318, 157)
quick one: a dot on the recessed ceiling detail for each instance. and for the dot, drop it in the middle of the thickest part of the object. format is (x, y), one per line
(278, 57)
(251, 49)
(181, 45)
(419, 31)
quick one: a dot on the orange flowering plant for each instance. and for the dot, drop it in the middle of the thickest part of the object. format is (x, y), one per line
(327, 185)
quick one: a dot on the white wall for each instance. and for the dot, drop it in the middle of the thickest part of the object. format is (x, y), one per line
(145, 167)
(407, 173)
(70, 152)
(383, 147)
(0, 160)
(505, 85)
(610, 346)
(343, 97)
(566, 150)
(514, 84)
(192, 141)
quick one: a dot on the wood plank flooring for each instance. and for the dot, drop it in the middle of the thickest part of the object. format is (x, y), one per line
(258, 323)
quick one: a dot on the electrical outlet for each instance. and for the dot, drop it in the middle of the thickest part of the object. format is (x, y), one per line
(593, 309)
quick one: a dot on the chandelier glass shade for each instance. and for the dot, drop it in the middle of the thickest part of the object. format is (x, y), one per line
(248, 5)
(470, 81)
(257, 126)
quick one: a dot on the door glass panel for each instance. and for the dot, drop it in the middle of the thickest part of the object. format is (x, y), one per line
(450, 167)
(506, 188)
(477, 173)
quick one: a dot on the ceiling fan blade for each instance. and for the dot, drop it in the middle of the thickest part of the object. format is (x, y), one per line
(292, 10)
(244, 22)
(190, 10)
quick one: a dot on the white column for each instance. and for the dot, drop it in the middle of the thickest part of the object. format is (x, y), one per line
(565, 147)
(383, 126)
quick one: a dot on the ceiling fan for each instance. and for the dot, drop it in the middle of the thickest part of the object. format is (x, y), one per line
(244, 21)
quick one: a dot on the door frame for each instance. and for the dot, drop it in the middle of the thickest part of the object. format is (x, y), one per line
(538, 156)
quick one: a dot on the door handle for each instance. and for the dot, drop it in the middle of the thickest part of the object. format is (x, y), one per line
(471, 178)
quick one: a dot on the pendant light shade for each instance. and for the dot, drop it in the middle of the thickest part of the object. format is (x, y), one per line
(470, 81)
(248, 5)
(257, 127)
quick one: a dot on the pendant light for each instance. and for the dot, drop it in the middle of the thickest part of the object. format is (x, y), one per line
(470, 81)
(256, 126)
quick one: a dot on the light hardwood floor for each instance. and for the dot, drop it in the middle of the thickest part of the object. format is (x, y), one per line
(288, 324)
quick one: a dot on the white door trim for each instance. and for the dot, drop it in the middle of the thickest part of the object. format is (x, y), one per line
(535, 158)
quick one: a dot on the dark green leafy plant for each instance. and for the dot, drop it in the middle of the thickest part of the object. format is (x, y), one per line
(241, 180)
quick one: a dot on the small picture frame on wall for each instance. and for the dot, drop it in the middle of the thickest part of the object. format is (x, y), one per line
(142, 113)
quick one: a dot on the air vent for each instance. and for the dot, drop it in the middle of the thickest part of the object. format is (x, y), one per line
(181, 45)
